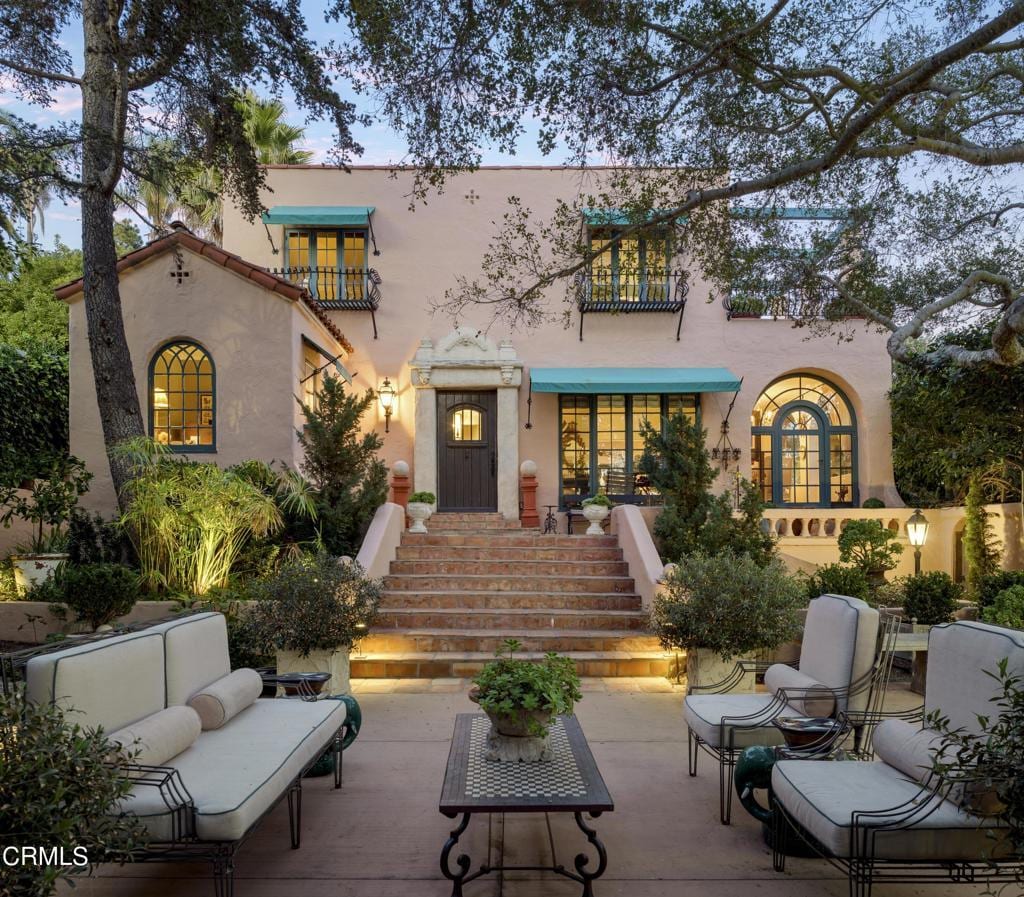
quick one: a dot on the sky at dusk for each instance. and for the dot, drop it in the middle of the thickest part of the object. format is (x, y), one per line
(381, 145)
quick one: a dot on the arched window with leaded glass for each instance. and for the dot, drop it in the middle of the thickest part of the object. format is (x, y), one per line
(804, 444)
(182, 397)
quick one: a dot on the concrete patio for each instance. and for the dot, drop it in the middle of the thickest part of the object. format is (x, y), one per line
(381, 835)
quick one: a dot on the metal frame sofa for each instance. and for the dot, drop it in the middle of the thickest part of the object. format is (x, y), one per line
(894, 819)
(222, 777)
(835, 674)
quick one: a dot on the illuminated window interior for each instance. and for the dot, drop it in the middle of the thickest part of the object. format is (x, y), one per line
(182, 397)
(466, 424)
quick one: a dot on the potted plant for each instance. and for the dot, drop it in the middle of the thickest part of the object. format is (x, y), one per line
(596, 509)
(722, 607)
(746, 306)
(929, 599)
(311, 612)
(47, 504)
(522, 698)
(872, 547)
(421, 506)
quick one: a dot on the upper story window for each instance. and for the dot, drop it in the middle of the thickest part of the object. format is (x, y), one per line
(634, 269)
(182, 397)
(312, 375)
(331, 262)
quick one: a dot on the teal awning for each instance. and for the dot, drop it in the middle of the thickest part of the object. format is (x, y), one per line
(619, 217)
(633, 380)
(338, 216)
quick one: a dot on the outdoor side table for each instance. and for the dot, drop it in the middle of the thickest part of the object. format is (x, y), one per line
(567, 783)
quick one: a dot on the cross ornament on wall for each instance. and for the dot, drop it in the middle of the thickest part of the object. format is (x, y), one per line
(178, 273)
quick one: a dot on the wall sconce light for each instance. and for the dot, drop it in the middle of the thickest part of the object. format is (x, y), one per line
(386, 394)
(917, 533)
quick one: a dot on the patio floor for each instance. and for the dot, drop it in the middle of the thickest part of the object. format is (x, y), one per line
(381, 835)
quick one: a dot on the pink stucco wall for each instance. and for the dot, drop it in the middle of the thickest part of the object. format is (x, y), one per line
(423, 252)
(253, 335)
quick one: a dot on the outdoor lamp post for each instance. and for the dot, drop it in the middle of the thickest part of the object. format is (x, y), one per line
(387, 401)
(917, 532)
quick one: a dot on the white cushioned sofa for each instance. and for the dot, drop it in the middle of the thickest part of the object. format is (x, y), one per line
(893, 818)
(200, 802)
(834, 674)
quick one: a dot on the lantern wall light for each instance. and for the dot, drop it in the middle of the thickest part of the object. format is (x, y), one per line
(386, 394)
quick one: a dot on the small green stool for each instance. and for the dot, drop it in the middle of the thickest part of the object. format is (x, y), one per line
(354, 721)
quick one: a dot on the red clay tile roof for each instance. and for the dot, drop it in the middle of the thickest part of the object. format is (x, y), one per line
(258, 275)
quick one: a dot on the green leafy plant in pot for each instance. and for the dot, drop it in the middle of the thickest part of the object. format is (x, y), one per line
(522, 698)
(47, 504)
(725, 606)
(871, 547)
(596, 509)
(310, 613)
(419, 509)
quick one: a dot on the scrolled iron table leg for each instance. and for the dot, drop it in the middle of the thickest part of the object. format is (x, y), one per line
(582, 860)
(462, 860)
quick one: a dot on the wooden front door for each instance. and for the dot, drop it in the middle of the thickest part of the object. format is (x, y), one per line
(467, 451)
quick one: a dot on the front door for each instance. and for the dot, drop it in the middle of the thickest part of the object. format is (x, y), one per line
(467, 460)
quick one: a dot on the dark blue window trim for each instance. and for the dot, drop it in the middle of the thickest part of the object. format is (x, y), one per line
(185, 449)
(825, 431)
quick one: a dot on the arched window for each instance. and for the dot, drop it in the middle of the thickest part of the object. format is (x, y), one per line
(182, 398)
(466, 424)
(804, 443)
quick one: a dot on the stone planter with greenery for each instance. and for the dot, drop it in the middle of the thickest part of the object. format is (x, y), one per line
(870, 546)
(310, 613)
(522, 698)
(725, 607)
(46, 503)
(596, 510)
(420, 509)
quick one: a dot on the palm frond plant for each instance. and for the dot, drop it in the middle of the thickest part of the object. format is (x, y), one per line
(190, 521)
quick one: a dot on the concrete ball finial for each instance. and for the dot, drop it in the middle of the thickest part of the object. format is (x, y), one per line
(528, 468)
(400, 468)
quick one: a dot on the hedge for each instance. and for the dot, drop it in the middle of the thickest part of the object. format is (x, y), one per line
(33, 410)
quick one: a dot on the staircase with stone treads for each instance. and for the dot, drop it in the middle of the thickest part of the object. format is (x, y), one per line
(456, 593)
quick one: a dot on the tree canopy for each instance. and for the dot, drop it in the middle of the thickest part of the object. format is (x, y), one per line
(903, 121)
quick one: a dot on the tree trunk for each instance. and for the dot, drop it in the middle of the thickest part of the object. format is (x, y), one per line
(103, 105)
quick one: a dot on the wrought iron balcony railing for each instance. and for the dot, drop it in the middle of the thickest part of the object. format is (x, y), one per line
(603, 290)
(791, 305)
(345, 289)
(339, 289)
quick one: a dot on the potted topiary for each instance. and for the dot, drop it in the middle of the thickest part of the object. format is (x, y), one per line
(522, 698)
(47, 504)
(596, 509)
(420, 508)
(310, 613)
(722, 607)
(872, 547)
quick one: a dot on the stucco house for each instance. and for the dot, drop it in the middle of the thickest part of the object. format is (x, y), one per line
(339, 276)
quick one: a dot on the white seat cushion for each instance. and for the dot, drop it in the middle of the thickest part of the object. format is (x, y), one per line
(196, 649)
(237, 772)
(838, 646)
(704, 713)
(822, 796)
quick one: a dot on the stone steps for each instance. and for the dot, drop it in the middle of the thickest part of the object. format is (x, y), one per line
(506, 568)
(456, 593)
(415, 665)
(508, 539)
(489, 582)
(502, 552)
(509, 599)
(456, 618)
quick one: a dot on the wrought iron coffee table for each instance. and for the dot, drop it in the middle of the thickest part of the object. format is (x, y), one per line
(567, 783)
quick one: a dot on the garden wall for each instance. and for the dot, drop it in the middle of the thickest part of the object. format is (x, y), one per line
(15, 625)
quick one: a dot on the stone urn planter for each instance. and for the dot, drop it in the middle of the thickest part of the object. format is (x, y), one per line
(511, 740)
(31, 570)
(335, 662)
(596, 514)
(419, 509)
(705, 667)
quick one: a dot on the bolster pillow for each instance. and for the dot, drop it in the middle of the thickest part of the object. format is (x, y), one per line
(156, 738)
(226, 697)
(805, 694)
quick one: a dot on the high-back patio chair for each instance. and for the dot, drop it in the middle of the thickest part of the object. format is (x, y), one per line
(895, 819)
(834, 674)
